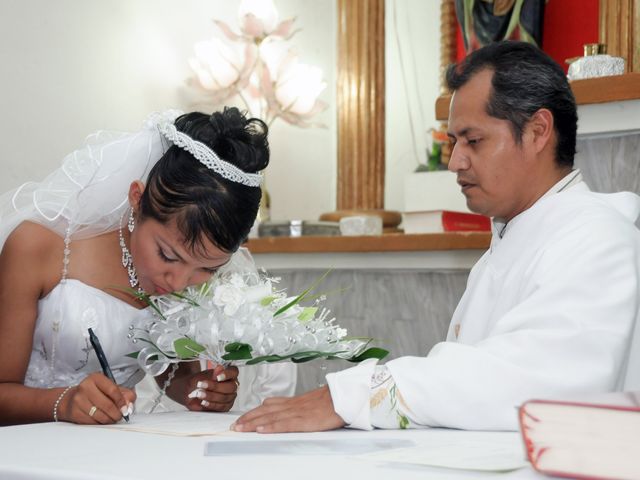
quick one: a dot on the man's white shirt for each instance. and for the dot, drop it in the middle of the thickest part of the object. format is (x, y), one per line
(549, 310)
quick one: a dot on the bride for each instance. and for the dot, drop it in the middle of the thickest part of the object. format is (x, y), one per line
(153, 212)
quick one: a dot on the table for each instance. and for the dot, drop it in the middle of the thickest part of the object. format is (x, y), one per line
(65, 451)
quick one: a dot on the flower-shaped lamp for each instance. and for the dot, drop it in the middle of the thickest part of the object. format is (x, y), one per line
(259, 67)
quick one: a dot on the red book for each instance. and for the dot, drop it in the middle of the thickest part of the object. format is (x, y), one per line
(593, 438)
(439, 221)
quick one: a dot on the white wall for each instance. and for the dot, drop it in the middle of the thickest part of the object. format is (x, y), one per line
(412, 87)
(70, 67)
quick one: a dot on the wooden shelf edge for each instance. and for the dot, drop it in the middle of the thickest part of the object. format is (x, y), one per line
(393, 242)
(592, 90)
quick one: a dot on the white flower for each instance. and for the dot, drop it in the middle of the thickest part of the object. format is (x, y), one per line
(258, 292)
(218, 64)
(298, 87)
(228, 297)
(236, 280)
(257, 18)
(340, 333)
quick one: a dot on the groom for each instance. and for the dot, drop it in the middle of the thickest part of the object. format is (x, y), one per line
(548, 311)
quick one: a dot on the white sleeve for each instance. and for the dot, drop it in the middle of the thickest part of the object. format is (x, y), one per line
(350, 392)
(567, 332)
(259, 382)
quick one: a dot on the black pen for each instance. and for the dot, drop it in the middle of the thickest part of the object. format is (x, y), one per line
(95, 343)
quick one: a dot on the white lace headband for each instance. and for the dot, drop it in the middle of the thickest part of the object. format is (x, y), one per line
(208, 157)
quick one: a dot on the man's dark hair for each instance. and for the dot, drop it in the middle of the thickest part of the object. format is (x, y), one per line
(524, 80)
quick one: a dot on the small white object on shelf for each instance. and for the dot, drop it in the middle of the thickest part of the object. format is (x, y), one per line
(361, 225)
(595, 63)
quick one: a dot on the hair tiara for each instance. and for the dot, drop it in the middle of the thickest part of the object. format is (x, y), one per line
(206, 156)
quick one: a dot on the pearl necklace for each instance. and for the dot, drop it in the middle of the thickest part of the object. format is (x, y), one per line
(127, 262)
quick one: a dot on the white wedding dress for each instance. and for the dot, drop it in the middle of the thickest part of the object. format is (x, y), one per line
(62, 354)
(85, 197)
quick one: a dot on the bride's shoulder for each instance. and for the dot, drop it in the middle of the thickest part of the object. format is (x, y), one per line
(33, 237)
(34, 250)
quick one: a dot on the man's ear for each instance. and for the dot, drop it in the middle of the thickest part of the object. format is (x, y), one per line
(541, 129)
(135, 194)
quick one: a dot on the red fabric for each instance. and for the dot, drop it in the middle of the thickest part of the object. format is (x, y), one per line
(568, 25)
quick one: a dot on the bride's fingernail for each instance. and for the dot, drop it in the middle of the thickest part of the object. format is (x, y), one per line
(204, 403)
(203, 385)
(197, 393)
(124, 411)
(232, 426)
(221, 378)
(130, 409)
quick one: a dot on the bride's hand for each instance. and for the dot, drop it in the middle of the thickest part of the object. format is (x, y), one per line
(212, 390)
(96, 400)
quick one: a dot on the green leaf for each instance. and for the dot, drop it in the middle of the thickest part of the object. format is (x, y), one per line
(307, 358)
(190, 301)
(244, 354)
(404, 422)
(307, 314)
(300, 297)
(236, 346)
(186, 348)
(265, 358)
(373, 352)
(237, 351)
(267, 300)
(327, 293)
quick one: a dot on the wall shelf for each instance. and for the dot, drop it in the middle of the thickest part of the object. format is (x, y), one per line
(593, 90)
(392, 242)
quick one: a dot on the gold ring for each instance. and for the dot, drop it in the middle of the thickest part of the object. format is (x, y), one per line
(93, 410)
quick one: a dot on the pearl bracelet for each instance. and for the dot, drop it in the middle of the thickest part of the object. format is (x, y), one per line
(55, 405)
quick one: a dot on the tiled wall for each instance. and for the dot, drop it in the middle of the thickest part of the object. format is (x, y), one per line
(407, 311)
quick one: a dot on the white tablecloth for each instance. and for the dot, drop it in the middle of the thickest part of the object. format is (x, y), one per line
(65, 451)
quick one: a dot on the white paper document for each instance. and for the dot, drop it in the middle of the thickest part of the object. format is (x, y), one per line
(329, 446)
(482, 451)
(184, 424)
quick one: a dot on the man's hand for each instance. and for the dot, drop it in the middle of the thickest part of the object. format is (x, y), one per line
(309, 412)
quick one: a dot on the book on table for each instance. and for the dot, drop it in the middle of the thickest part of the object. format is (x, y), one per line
(594, 437)
(440, 221)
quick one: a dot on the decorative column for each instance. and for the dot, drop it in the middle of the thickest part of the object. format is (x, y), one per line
(448, 51)
(620, 30)
(448, 44)
(360, 92)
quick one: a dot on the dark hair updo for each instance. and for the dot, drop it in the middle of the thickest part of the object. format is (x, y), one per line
(203, 203)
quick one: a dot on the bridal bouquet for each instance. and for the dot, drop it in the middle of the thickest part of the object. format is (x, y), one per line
(239, 317)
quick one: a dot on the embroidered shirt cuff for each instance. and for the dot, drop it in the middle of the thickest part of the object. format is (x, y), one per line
(350, 391)
(388, 409)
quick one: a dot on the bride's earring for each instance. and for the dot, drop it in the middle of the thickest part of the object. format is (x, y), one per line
(131, 223)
